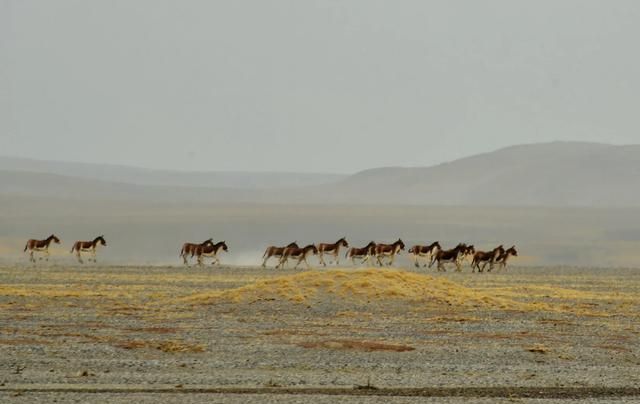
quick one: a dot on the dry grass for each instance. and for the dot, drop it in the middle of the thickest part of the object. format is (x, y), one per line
(171, 346)
(360, 285)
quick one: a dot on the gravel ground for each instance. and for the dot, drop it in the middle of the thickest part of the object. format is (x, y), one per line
(129, 326)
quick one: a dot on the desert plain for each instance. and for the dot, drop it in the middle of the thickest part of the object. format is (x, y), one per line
(250, 334)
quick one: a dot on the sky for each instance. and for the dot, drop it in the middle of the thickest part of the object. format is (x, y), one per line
(313, 86)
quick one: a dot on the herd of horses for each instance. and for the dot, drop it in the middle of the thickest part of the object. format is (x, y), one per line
(383, 254)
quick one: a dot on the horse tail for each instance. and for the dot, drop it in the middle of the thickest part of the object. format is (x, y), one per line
(346, 254)
(25, 247)
(73, 248)
(265, 252)
(181, 252)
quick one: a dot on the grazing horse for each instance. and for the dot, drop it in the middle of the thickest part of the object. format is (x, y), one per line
(486, 257)
(364, 253)
(189, 248)
(40, 246)
(453, 256)
(423, 251)
(209, 250)
(504, 257)
(273, 251)
(88, 246)
(299, 253)
(333, 249)
(388, 250)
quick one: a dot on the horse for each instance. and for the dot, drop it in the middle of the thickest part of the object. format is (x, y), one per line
(88, 246)
(333, 249)
(453, 255)
(469, 251)
(486, 257)
(388, 250)
(364, 253)
(40, 246)
(299, 253)
(189, 248)
(209, 250)
(423, 251)
(504, 257)
(273, 251)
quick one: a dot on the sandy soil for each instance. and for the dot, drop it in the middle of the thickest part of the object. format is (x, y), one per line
(247, 334)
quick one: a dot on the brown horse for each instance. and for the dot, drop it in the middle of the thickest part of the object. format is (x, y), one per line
(299, 253)
(423, 251)
(88, 246)
(363, 253)
(452, 256)
(333, 249)
(189, 248)
(273, 251)
(504, 257)
(486, 257)
(388, 250)
(469, 251)
(210, 250)
(40, 246)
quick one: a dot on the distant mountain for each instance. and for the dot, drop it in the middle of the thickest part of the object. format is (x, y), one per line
(549, 174)
(143, 176)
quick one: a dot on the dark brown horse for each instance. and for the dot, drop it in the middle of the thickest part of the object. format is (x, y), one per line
(504, 257)
(363, 253)
(423, 251)
(40, 246)
(88, 246)
(189, 248)
(273, 251)
(452, 256)
(486, 257)
(210, 250)
(299, 253)
(333, 249)
(388, 250)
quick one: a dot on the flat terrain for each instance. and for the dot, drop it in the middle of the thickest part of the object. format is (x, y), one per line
(248, 334)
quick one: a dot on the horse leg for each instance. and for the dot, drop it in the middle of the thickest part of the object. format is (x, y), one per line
(79, 257)
(321, 254)
(336, 255)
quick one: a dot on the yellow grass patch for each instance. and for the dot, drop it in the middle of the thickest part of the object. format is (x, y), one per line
(361, 285)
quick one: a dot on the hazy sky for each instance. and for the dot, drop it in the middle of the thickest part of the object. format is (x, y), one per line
(312, 85)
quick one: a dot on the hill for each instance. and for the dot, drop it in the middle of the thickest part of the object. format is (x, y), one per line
(546, 175)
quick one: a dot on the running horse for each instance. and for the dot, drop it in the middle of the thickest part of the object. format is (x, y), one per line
(504, 257)
(423, 251)
(388, 250)
(486, 257)
(299, 253)
(333, 249)
(209, 250)
(363, 253)
(189, 248)
(40, 246)
(452, 256)
(88, 246)
(273, 251)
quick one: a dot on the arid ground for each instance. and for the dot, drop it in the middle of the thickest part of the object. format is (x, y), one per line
(248, 334)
